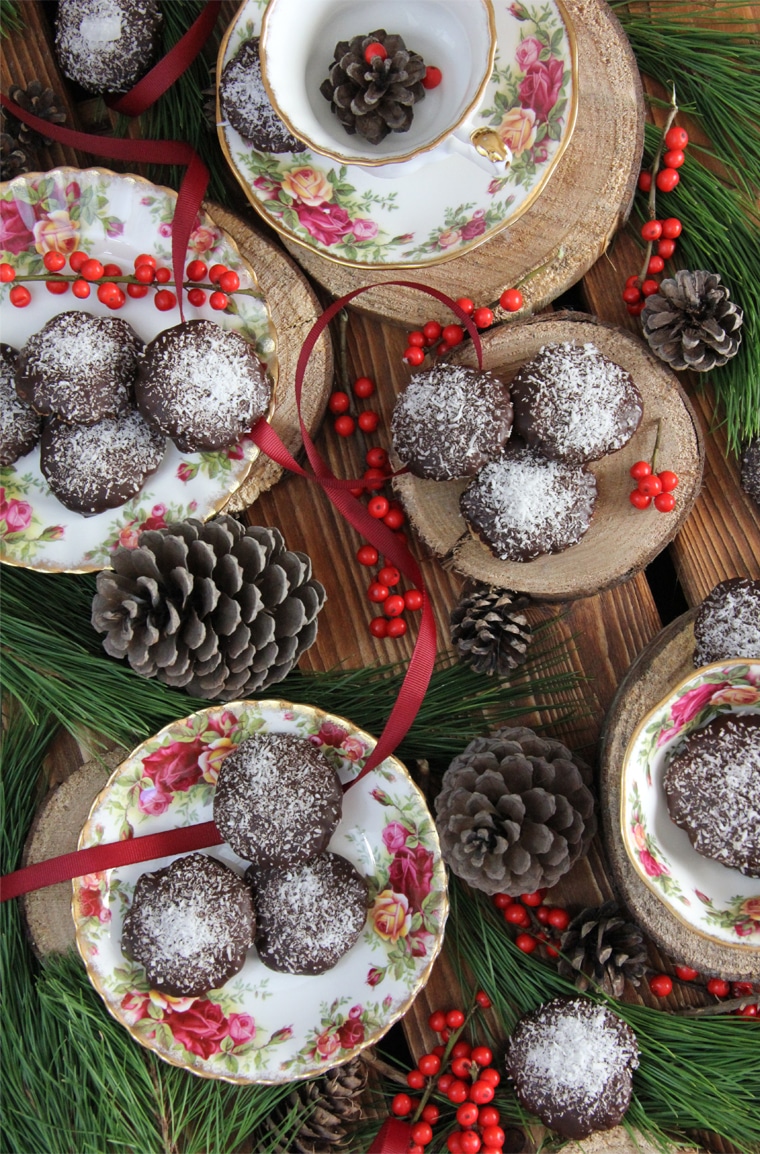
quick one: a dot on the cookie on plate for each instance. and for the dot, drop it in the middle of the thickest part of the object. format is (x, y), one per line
(19, 424)
(246, 104)
(728, 622)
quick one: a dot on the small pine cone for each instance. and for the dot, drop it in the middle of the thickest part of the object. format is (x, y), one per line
(488, 629)
(691, 323)
(334, 1104)
(376, 98)
(601, 948)
(217, 609)
(41, 102)
(515, 812)
(13, 158)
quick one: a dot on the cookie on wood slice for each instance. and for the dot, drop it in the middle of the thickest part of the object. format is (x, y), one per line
(728, 622)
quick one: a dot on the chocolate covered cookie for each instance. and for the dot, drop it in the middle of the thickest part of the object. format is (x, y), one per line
(572, 1063)
(450, 421)
(277, 800)
(523, 505)
(712, 784)
(19, 424)
(190, 925)
(246, 104)
(750, 474)
(574, 404)
(308, 915)
(202, 385)
(107, 45)
(95, 467)
(728, 622)
(79, 367)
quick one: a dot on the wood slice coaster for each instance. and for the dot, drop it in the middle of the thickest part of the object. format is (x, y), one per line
(573, 220)
(666, 661)
(621, 540)
(295, 308)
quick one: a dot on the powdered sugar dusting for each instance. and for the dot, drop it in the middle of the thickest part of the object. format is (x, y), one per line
(728, 622)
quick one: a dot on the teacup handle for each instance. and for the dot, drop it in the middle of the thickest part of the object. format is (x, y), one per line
(482, 146)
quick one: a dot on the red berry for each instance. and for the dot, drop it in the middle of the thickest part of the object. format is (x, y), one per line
(483, 1000)
(454, 1019)
(517, 915)
(345, 425)
(666, 248)
(553, 948)
(493, 1136)
(92, 269)
(453, 335)
(457, 1091)
(375, 478)
(511, 300)
(676, 137)
(389, 575)
(396, 627)
(747, 1011)
(645, 181)
(674, 158)
(137, 291)
(651, 230)
(635, 310)
(57, 287)
(719, 987)
(413, 600)
(650, 486)
(7, 273)
(165, 300)
(416, 339)
(488, 1116)
(215, 272)
(145, 274)
(542, 913)
(501, 901)
(461, 1049)
(482, 1056)
(364, 387)
(218, 301)
(431, 1113)
(559, 918)
(482, 1092)
(493, 1077)
(466, 305)
(631, 295)
(437, 1021)
(639, 500)
(19, 296)
(671, 228)
(686, 973)
(401, 1105)
(142, 258)
(378, 627)
(376, 458)
(112, 270)
(661, 985)
(77, 259)
(422, 1132)
(432, 78)
(741, 989)
(367, 555)
(393, 605)
(649, 288)
(668, 480)
(640, 469)
(229, 281)
(415, 1079)
(53, 261)
(665, 502)
(429, 1065)
(656, 264)
(114, 299)
(483, 317)
(442, 348)
(533, 899)
(196, 270)
(377, 592)
(667, 179)
(526, 942)
(415, 1148)
(378, 507)
(467, 1114)
(196, 297)
(339, 403)
(375, 49)
(432, 330)
(394, 518)
(633, 281)
(368, 421)
(453, 1144)
(81, 289)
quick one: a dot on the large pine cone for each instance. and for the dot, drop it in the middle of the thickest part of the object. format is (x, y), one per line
(217, 609)
(488, 629)
(515, 812)
(691, 323)
(334, 1104)
(375, 98)
(600, 948)
(41, 102)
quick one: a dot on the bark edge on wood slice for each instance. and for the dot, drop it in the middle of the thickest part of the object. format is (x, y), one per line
(665, 662)
(571, 223)
(621, 540)
(295, 308)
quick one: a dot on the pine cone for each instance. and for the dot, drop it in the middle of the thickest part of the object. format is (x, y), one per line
(13, 158)
(600, 947)
(691, 323)
(41, 102)
(376, 98)
(515, 812)
(334, 1107)
(488, 630)
(217, 609)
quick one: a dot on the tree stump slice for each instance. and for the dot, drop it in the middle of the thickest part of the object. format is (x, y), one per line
(621, 540)
(295, 308)
(571, 223)
(666, 661)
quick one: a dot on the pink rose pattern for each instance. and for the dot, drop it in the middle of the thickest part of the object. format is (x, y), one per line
(199, 1025)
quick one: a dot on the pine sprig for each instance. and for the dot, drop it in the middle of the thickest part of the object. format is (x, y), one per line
(11, 19)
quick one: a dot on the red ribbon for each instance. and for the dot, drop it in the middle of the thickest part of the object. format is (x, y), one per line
(393, 1137)
(170, 67)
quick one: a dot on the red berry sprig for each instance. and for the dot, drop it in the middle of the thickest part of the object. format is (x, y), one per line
(529, 914)
(436, 340)
(653, 487)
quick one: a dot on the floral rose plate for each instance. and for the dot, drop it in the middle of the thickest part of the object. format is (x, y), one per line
(717, 902)
(114, 218)
(446, 206)
(264, 1026)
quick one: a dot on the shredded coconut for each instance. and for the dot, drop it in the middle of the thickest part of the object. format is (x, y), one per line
(728, 622)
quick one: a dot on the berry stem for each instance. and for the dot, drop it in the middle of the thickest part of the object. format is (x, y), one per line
(652, 198)
(125, 278)
(725, 1007)
(453, 1039)
(656, 446)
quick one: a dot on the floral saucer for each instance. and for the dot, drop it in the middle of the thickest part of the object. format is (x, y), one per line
(430, 213)
(717, 902)
(114, 218)
(264, 1026)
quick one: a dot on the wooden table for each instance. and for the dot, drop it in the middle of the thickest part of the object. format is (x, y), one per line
(720, 539)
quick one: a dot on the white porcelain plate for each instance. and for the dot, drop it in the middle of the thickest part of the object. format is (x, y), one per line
(719, 903)
(114, 218)
(264, 1026)
(370, 217)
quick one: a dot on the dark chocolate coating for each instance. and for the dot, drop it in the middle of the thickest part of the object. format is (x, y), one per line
(202, 385)
(308, 915)
(728, 622)
(712, 784)
(750, 475)
(19, 424)
(190, 925)
(107, 47)
(277, 800)
(246, 105)
(79, 367)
